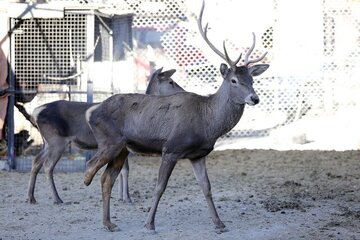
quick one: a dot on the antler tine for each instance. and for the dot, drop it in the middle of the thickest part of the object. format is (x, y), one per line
(231, 63)
(238, 59)
(203, 33)
(248, 53)
(256, 60)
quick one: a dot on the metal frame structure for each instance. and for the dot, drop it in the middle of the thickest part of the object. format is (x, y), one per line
(47, 57)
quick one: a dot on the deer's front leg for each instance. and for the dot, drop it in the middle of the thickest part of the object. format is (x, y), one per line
(199, 168)
(166, 168)
(107, 182)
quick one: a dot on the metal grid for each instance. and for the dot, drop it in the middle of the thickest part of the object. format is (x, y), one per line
(48, 48)
(342, 53)
(46, 52)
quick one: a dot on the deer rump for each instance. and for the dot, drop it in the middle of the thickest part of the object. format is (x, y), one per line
(153, 125)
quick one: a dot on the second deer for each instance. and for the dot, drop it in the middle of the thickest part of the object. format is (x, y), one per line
(62, 122)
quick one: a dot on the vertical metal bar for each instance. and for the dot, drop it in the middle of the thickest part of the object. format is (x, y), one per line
(11, 103)
(111, 59)
(90, 28)
(90, 41)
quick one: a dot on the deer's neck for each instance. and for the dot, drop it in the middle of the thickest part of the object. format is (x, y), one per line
(223, 113)
(152, 87)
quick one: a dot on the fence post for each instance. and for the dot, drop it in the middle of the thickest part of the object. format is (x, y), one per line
(11, 104)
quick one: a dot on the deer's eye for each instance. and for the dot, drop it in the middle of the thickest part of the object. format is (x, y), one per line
(171, 83)
(233, 80)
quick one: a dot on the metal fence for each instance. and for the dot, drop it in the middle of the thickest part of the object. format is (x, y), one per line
(313, 49)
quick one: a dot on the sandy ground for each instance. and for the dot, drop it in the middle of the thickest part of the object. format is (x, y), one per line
(260, 194)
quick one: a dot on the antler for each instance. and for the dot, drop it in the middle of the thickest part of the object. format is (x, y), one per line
(248, 53)
(203, 32)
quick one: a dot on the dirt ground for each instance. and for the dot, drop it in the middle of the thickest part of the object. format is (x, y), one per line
(260, 194)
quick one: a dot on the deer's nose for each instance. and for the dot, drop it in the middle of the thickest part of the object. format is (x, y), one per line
(255, 99)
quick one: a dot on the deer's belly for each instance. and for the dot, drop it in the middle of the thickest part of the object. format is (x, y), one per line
(152, 148)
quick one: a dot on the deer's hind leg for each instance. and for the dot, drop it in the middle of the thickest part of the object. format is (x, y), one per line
(102, 157)
(107, 182)
(110, 143)
(106, 153)
(53, 157)
(37, 163)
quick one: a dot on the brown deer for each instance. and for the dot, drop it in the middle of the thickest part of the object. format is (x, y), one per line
(180, 126)
(62, 122)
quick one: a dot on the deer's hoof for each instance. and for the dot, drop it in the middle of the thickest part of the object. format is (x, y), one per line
(150, 228)
(87, 179)
(149, 231)
(127, 201)
(111, 227)
(31, 200)
(221, 230)
(58, 201)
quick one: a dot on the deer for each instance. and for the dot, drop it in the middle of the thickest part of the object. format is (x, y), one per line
(184, 125)
(62, 122)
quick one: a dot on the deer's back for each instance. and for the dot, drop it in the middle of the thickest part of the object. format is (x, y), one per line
(151, 124)
(157, 114)
(66, 120)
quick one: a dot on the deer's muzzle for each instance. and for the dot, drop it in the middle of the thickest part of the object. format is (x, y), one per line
(252, 99)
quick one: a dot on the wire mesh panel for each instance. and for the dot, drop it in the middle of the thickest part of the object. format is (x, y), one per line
(341, 53)
(47, 48)
(57, 58)
(46, 52)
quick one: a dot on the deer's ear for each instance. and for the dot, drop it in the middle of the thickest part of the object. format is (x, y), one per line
(168, 73)
(157, 72)
(224, 69)
(258, 69)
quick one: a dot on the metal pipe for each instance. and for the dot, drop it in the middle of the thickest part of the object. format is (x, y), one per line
(11, 104)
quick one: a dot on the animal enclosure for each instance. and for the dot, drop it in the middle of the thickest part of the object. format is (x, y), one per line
(312, 83)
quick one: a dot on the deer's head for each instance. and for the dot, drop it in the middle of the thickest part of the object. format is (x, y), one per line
(239, 79)
(161, 83)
